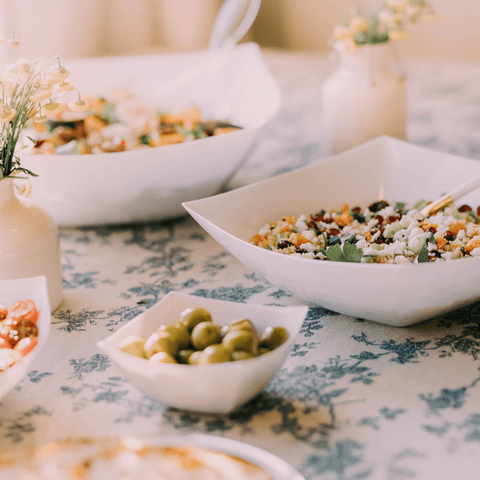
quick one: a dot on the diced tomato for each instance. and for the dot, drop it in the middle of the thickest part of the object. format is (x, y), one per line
(26, 345)
(24, 309)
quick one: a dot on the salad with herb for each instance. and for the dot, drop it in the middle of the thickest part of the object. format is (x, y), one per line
(379, 233)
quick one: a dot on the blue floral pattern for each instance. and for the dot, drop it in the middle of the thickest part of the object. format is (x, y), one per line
(354, 400)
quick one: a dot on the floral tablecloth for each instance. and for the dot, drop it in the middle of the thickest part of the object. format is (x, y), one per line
(355, 399)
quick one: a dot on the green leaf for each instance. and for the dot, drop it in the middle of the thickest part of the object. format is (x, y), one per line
(423, 255)
(350, 253)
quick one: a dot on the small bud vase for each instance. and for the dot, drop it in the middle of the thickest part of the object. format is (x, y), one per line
(29, 242)
(363, 99)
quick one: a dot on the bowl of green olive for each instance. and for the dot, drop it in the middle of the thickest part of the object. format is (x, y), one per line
(201, 354)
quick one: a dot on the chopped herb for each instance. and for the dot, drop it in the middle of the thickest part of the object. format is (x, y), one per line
(423, 255)
(350, 253)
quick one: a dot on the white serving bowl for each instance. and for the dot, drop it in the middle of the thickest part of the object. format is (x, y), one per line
(384, 168)
(150, 184)
(34, 288)
(216, 388)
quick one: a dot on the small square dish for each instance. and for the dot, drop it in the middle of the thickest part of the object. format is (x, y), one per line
(382, 169)
(216, 388)
(33, 288)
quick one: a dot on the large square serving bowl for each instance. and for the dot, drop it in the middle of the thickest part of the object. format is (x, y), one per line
(150, 184)
(216, 388)
(384, 168)
(11, 291)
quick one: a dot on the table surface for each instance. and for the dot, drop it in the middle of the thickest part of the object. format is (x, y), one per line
(354, 400)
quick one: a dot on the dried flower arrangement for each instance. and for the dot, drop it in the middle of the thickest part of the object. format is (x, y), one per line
(29, 90)
(385, 21)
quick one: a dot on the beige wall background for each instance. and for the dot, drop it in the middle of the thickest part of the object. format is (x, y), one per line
(77, 28)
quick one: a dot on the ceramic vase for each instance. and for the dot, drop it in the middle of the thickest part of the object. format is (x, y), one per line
(363, 99)
(29, 242)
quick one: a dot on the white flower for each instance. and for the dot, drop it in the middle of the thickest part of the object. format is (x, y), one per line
(6, 87)
(390, 18)
(39, 118)
(14, 43)
(341, 33)
(59, 73)
(24, 68)
(358, 24)
(6, 114)
(64, 87)
(78, 105)
(52, 108)
(41, 94)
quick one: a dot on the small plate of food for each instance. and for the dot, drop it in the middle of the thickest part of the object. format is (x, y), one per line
(25, 321)
(186, 457)
(202, 354)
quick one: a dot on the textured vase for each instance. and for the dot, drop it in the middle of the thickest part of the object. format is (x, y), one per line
(29, 242)
(363, 99)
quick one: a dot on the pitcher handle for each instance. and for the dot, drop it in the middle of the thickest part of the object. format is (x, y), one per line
(229, 15)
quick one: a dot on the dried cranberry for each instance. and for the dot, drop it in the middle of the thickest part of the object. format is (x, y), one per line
(388, 241)
(465, 208)
(356, 209)
(380, 239)
(379, 219)
(478, 211)
(334, 231)
(328, 220)
(432, 229)
(449, 236)
(391, 219)
(284, 244)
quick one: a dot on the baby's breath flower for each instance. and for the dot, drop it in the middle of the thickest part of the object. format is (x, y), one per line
(59, 73)
(24, 68)
(342, 33)
(39, 118)
(359, 24)
(398, 5)
(390, 17)
(64, 87)
(52, 108)
(78, 105)
(43, 93)
(14, 43)
(6, 87)
(398, 34)
(7, 114)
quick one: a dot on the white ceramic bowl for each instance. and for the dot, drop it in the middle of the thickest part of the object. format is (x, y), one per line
(150, 184)
(34, 288)
(384, 168)
(216, 388)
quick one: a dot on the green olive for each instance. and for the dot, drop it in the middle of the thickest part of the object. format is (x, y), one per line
(191, 317)
(205, 334)
(273, 337)
(180, 333)
(134, 346)
(194, 357)
(263, 350)
(215, 354)
(241, 355)
(161, 357)
(184, 355)
(241, 340)
(244, 324)
(161, 342)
